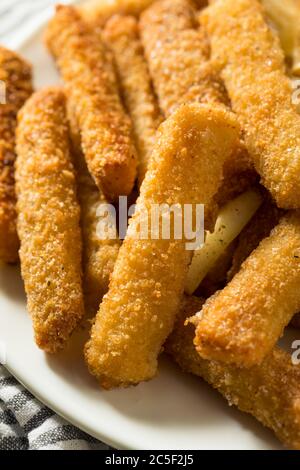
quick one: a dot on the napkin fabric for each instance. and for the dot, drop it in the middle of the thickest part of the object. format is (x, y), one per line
(26, 424)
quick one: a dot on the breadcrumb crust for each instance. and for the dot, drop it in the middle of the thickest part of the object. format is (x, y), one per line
(122, 36)
(242, 323)
(147, 284)
(97, 12)
(178, 55)
(252, 66)
(269, 392)
(91, 87)
(16, 74)
(48, 220)
(99, 255)
(177, 52)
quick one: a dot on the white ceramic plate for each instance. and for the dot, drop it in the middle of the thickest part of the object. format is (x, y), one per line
(174, 411)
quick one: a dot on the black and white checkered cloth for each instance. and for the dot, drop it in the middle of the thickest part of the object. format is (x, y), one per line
(26, 424)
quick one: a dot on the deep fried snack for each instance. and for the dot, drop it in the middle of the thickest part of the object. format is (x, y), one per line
(253, 70)
(178, 56)
(284, 16)
(269, 392)
(239, 176)
(93, 95)
(242, 323)
(122, 36)
(15, 74)
(97, 12)
(266, 218)
(99, 254)
(259, 227)
(48, 220)
(139, 310)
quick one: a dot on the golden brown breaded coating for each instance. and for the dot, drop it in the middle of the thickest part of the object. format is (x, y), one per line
(122, 36)
(139, 310)
(93, 95)
(269, 392)
(15, 73)
(177, 52)
(99, 255)
(242, 323)
(239, 175)
(253, 70)
(97, 12)
(48, 220)
(259, 227)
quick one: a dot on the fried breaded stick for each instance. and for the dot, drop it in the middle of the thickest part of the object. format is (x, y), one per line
(239, 176)
(93, 96)
(99, 254)
(48, 220)
(97, 12)
(242, 323)
(15, 74)
(269, 392)
(177, 52)
(254, 73)
(266, 218)
(138, 312)
(178, 55)
(121, 34)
